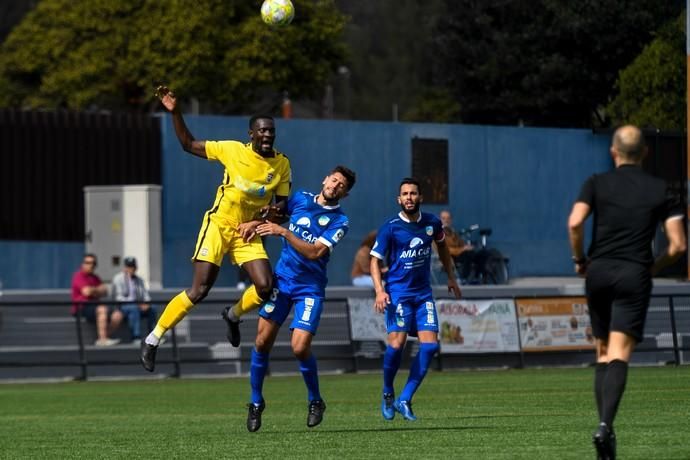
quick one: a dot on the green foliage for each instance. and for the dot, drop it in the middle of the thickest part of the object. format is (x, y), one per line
(652, 89)
(111, 53)
(391, 56)
(525, 414)
(434, 104)
(540, 62)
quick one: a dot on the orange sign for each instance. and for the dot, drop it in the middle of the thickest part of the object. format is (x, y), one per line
(554, 323)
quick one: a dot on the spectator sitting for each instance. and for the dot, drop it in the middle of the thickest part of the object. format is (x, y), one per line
(361, 275)
(130, 288)
(461, 251)
(87, 288)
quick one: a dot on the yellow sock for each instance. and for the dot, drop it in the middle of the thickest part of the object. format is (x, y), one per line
(176, 309)
(249, 301)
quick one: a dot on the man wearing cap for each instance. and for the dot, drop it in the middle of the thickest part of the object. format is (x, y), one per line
(131, 290)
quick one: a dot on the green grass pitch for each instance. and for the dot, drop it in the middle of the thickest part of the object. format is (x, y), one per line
(535, 414)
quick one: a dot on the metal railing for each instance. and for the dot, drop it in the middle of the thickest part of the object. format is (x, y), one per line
(19, 310)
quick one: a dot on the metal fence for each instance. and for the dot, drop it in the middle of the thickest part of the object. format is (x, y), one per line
(40, 339)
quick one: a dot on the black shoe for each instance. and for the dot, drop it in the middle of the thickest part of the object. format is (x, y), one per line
(148, 356)
(254, 416)
(604, 441)
(233, 329)
(316, 410)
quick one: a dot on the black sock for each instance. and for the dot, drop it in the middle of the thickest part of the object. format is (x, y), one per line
(599, 374)
(613, 388)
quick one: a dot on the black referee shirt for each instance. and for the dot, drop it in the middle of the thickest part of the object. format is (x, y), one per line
(627, 204)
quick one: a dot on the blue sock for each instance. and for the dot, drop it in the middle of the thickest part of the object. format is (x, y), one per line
(391, 364)
(257, 374)
(311, 377)
(418, 370)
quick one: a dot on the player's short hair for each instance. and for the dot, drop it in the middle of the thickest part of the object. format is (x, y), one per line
(630, 142)
(260, 116)
(410, 180)
(348, 174)
(90, 255)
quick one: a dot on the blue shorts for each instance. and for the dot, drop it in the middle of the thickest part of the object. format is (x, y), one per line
(412, 314)
(307, 299)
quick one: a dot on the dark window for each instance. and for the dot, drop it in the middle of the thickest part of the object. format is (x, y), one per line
(667, 159)
(430, 166)
(48, 157)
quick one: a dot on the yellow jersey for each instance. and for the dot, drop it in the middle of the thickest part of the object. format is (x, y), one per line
(250, 180)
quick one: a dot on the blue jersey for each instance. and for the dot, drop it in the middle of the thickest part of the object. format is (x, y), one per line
(311, 222)
(405, 246)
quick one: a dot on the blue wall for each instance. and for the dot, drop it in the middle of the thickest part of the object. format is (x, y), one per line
(38, 264)
(519, 181)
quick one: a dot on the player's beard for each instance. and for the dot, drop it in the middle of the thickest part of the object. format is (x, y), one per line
(331, 196)
(410, 212)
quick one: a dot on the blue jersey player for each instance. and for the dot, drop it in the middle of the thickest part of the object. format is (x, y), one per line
(404, 243)
(316, 225)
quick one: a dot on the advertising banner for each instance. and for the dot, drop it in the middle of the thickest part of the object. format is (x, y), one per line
(477, 326)
(365, 323)
(554, 323)
(465, 326)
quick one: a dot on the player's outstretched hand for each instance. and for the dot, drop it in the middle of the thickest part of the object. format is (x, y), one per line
(269, 228)
(167, 97)
(247, 230)
(454, 287)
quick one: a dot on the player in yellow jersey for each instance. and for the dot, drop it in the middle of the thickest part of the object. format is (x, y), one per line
(255, 173)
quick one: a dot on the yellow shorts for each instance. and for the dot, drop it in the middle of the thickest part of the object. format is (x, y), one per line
(218, 237)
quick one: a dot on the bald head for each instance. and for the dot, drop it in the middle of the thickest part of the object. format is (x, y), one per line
(629, 144)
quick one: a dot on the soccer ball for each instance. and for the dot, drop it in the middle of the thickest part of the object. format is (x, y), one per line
(277, 12)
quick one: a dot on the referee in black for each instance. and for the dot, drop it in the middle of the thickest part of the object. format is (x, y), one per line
(627, 204)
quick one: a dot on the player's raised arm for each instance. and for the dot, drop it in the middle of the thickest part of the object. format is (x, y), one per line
(189, 144)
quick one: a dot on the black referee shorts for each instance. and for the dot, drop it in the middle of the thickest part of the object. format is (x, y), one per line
(618, 297)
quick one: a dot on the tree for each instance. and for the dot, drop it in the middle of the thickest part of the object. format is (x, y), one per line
(111, 53)
(651, 90)
(540, 62)
(389, 63)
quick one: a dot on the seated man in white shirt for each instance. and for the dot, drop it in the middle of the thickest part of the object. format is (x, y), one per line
(129, 288)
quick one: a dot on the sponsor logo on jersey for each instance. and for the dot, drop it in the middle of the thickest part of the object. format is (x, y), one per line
(249, 187)
(429, 230)
(414, 253)
(304, 222)
(323, 220)
(415, 242)
(416, 250)
(269, 178)
(338, 235)
(304, 234)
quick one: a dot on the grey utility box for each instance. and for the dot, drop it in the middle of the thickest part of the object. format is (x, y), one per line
(122, 221)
